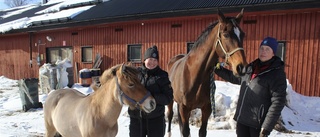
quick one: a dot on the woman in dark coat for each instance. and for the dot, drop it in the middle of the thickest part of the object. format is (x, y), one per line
(157, 83)
(262, 92)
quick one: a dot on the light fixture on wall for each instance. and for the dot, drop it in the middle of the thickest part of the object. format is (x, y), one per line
(49, 38)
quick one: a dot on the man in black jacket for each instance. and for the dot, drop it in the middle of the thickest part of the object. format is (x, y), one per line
(262, 92)
(157, 83)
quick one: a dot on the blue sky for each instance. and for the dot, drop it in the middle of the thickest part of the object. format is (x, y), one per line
(2, 5)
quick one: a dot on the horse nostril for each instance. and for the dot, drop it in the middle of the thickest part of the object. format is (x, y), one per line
(241, 69)
(152, 104)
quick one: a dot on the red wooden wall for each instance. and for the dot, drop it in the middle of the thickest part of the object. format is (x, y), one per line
(300, 31)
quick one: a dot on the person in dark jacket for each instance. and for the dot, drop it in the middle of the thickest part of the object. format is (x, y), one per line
(157, 83)
(262, 92)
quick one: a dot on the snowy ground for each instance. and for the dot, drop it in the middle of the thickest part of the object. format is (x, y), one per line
(302, 116)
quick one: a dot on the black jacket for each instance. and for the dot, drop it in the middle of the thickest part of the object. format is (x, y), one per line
(262, 98)
(157, 83)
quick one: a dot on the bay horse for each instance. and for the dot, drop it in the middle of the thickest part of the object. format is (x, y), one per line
(73, 114)
(190, 73)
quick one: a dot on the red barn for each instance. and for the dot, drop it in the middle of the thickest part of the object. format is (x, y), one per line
(121, 30)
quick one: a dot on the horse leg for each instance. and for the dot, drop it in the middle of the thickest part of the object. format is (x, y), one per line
(50, 131)
(206, 112)
(184, 115)
(170, 116)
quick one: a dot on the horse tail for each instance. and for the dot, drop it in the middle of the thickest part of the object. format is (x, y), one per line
(169, 116)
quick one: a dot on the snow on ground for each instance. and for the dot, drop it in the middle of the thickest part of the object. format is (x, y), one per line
(302, 115)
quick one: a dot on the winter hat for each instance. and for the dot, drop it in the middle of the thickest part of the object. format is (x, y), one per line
(152, 52)
(271, 42)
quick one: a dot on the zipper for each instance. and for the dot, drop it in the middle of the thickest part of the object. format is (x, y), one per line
(245, 93)
(261, 112)
(146, 78)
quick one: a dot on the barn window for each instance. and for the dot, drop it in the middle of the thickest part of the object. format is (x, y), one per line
(58, 53)
(134, 53)
(281, 50)
(189, 46)
(86, 54)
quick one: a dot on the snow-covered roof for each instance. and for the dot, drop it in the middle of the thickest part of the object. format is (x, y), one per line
(57, 11)
(67, 13)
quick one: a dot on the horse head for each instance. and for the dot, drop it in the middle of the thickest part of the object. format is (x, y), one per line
(131, 91)
(229, 45)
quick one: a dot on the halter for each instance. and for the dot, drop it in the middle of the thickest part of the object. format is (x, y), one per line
(121, 93)
(227, 54)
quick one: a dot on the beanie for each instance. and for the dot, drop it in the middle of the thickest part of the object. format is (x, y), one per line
(151, 52)
(271, 42)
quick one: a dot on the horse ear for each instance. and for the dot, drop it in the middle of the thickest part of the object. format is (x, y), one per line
(129, 63)
(221, 17)
(122, 68)
(239, 16)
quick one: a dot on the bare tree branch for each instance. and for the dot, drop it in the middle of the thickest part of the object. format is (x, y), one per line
(16, 3)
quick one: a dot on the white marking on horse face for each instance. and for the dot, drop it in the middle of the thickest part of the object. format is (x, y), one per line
(237, 32)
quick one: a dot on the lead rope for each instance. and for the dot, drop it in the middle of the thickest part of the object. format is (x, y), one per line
(147, 126)
(212, 93)
(141, 123)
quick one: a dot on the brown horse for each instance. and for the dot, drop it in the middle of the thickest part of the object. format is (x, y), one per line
(190, 74)
(72, 114)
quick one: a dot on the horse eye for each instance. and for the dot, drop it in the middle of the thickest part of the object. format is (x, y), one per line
(131, 85)
(226, 35)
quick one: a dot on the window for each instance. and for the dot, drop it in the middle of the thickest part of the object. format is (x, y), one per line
(189, 46)
(281, 50)
(134, 53)
(86, 54)
(58, 53)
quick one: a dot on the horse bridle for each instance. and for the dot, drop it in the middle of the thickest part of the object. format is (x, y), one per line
(227, 54)
(121, 93)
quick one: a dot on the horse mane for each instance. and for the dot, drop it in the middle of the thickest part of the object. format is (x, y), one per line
(205, 33)
(108, 74)
(130, 73)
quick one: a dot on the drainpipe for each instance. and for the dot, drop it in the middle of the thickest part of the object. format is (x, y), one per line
(30, 48)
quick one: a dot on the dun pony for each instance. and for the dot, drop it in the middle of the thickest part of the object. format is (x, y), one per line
(73, 114)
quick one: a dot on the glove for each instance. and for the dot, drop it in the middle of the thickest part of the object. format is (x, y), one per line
(219, 64)
(264, 133)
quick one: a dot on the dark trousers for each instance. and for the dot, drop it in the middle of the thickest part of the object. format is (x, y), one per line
(246, 131)
(147, 127)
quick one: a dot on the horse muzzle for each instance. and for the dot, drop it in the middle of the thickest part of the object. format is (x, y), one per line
(241, 70)
(149, 104)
